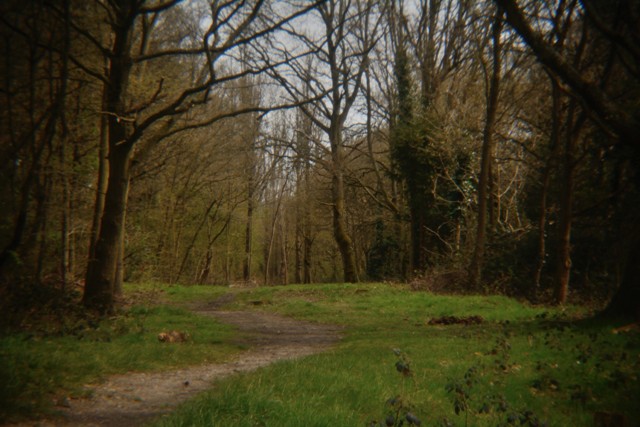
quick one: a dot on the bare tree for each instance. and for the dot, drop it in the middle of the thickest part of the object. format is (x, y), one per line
(349, 29)
(154, 115)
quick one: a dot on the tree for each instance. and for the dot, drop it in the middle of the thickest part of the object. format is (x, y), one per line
(433, 42)
(232, 24)
(302, 146)
(615, 24)
(35, 88)
(342, 54)
(475, 270)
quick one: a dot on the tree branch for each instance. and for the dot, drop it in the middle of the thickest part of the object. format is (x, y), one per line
(590, 94)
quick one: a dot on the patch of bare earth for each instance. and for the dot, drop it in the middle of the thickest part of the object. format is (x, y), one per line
(137, 398)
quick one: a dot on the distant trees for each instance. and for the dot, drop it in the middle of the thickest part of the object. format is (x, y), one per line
(134, 117)
(432, 40)
(416, 140)
(346, 34)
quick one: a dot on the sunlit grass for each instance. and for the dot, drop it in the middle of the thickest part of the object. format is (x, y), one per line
(529, 361)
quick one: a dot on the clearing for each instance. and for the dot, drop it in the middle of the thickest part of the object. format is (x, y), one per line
(136, 398)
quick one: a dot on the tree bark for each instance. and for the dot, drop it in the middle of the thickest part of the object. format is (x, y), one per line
(563, 273)
(103, 176)
(101, 270)
(100, 283)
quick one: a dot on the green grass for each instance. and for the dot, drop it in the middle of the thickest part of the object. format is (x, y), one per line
(525, 359)
(154, 292)
(522, 358)
(37, 367)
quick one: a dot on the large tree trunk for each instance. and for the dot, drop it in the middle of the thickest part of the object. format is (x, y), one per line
(118, 281)
(101, 277)
(103, 175)
(563, 272)
(99, 291)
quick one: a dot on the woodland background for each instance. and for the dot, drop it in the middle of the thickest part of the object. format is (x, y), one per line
(459, 145)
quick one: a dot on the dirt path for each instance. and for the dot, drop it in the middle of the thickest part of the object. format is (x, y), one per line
(134, 399)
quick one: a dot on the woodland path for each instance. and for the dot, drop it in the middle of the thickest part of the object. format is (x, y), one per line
(136, 398)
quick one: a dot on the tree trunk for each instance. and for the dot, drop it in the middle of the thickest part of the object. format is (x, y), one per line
(103, 175)
(101, 270)
(284, 259)
(563, 273)
(43, 190)
(308, 242)
(565, 215)
(542, 228)
(248, 232)
(65, 218)
(119, 278)
(227, 257)
(626, 301)
(554, 137)
(206, 268)
(475, 270)
(340, 231)
(298, 244)
(101, 277)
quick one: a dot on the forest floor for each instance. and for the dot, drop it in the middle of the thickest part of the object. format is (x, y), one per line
(137, 398)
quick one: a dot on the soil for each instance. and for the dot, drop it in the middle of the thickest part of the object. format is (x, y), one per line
(455, 320)
(136, 398)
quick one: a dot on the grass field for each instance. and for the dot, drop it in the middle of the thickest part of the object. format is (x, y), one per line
(521, 364)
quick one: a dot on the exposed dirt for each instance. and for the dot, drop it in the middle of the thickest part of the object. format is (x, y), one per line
(455, 320)
(136, 398)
